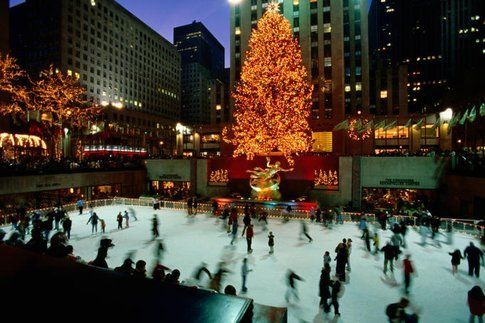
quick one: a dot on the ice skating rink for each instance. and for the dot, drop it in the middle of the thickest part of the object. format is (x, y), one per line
(436, 294)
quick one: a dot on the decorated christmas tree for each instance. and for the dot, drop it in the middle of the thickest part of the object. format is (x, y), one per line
(273, 97)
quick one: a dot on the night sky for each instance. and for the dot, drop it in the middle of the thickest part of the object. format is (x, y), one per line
(164, 15)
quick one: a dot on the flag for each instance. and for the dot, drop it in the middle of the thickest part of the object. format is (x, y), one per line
(473, 114)
(436, 123)
(482, 110)
(390, 125)
(454, 121)
(369, 125)
(420, 123)
(365, 127)
(464, 118)
(344, 125)
(409, 123)
(380, 124)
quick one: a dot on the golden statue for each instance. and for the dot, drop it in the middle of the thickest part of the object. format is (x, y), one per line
(266, 182)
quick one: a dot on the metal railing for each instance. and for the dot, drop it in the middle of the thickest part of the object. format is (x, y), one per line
(462, 225)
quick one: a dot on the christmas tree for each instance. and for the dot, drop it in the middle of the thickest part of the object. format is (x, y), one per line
(273, 97)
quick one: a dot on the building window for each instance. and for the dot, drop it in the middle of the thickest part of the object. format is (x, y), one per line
(322, 141)
(384, 94)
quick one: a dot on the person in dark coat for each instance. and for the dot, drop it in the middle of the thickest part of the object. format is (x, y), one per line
(456, 258)
(173, 277)
(304, 231)
(189, 206)
(389, 254)
(155, 232)
(337, 289)
(126, 268)
(37, 242)
(473, 255)
(58, 245)
(100, 260)
(292, 278)
(119, 218)
(140, 269)
(93, 219)
(476, 303)
(66, 226)
(57, 218)
(158, 273)
(271, 242)
(215, 207)
(194, 205)
(341, 258)
(324, 288)
(247, 222)
(202, 269)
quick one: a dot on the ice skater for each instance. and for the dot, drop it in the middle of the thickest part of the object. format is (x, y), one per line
(247, 222)
(66, 226)
(337, 292)
(194, 205)
(234, 231)
(159, 250)
(127, 219)
(93, 219)
(376, 243)
(271, 242)
(292, 291)
(119, 218)
(155, 233)
(264, 217)
(304, 231)
(341, 259)
(349, 251)
(216, 281)
(408, 271)
(200, 270)
(456, 258)
(249, 237)
(80, 206)
(474, 255)
(324, 288)
(189, 206)
(327, 259)
(244, 274)
(103, 225)
(389, 251)
(132, 214)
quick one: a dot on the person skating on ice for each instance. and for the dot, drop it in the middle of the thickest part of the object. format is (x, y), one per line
(324, 288)
(249, 237)
(338, 290)
(103, 225)
(66, 226)
(456, 258)
(93, 219)
(474, 255)
(189, 206)
(127, 219)
(376, 243)
(200, 270)
(119, 219)
(389, 251)
(247, 223)
(341, 259)
(271, 242)
(409, 270)
(218, 277)
(304, 231)
(291, 279)
(155, 233)
(244, 274)
(194, 205)
(132, 213)
(234, 231)
(349, 251)
(327, 259)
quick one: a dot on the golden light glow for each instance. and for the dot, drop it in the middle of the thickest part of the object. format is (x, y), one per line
(273, 97)
(324, 178)
(219, 176)
(20, 140)
(359, 129)
(15, 98)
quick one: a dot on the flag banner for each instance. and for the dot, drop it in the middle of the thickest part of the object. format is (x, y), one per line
(344, 125)
(380, 124)
(464, 118)
(390, 125)
(420, 123)
(482, 110)
(437, 123)
(473, 115)
(409, 123)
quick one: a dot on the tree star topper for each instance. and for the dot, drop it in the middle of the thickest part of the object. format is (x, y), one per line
(273, 6)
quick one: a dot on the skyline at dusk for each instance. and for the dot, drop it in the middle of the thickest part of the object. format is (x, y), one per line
(164, 15)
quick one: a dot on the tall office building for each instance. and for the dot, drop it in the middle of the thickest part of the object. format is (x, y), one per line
(4, 27)
(440, 42)
(121, 61)
(203, 75)
(334, 42)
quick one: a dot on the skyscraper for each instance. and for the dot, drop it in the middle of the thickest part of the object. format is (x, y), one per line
(4, 27)
(119, 59)
(203, 75)
(334, 42)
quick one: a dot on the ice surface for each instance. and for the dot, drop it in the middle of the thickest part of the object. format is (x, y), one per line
(436, 294)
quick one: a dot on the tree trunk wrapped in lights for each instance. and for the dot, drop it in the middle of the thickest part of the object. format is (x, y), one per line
(14, 94)
(273, 97)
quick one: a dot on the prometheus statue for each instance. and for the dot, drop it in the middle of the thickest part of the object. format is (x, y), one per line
(266, 182)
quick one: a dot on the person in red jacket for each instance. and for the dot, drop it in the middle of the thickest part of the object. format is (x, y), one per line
(476, 302)
(249, 237)
(408, 271)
